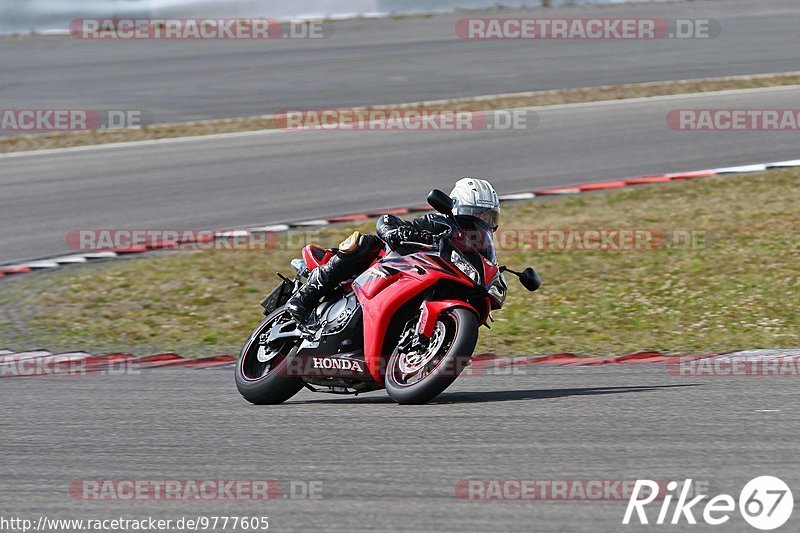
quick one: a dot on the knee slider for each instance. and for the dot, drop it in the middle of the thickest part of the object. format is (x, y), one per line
(350, 244)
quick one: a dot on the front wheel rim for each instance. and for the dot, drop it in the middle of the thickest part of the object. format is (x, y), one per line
(412, 368)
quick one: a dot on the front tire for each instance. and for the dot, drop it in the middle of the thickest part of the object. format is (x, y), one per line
(266, 382)
(417, 378)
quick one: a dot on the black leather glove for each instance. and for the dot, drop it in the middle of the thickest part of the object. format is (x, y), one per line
(427, 237)
(410, 233)
(403, 233)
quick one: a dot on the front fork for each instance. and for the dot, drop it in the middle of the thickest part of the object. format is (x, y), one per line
(429, 315)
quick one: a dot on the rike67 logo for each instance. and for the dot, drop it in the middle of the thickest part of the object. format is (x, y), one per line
(766, 503)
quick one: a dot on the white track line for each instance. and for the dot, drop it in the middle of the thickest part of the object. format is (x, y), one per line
(67, 259)
(22, 356)
(99, 255)
(320, 222)
(785, 164)
(41, 264)
(519, 196)
(743, 169)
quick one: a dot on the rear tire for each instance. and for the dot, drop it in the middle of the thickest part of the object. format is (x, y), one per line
(460, 327)
(265, 383)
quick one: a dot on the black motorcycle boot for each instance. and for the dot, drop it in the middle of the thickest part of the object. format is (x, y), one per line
(304, 300)
(351, 258)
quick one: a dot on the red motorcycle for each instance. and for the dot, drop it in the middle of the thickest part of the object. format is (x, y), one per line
(408, 324)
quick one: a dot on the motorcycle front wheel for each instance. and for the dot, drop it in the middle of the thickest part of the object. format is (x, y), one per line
(416, 378)
(262, 375)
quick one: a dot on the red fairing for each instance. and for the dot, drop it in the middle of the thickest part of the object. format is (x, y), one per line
(489, 271)
(381, 295)
(431, 311)
(315, 256)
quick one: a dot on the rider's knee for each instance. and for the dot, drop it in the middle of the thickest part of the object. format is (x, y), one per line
(359, 247)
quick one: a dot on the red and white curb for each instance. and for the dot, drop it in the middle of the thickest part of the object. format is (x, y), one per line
(56, 262)
(41, 363)
(568, 359)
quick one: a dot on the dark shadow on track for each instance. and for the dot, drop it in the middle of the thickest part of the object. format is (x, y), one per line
(507, 396)
(539, 394)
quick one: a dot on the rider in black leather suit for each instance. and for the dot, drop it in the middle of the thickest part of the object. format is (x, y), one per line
(474, 202)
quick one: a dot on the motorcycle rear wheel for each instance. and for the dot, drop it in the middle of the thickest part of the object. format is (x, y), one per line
(417, 378)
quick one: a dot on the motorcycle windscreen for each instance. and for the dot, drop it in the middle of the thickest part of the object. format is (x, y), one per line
(475, 239)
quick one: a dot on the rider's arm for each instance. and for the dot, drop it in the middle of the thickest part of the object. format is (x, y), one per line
(393, 230)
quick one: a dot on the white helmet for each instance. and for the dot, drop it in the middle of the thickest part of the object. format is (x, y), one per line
(476, 198)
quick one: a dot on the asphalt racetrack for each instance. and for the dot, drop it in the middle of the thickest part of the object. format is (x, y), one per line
(376, 465)
(367, 62)
(280, 176)
(383, 466)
